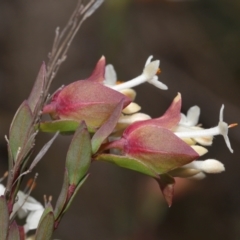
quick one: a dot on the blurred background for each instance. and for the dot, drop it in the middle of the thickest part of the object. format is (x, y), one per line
(198, 43)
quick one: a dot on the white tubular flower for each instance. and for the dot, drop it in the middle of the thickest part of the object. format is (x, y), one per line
(221, 129)
(203, 140)
(207, 166)
(149, 75)
(26, 206)
(189, 122)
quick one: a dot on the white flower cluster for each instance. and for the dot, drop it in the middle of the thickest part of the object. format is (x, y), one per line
(188, 128)
(191, 132)
(26, 207)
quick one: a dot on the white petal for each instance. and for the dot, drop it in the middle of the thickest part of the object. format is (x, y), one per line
(208, 166)
(133, 118)
(131, 108)
(189, 141)
(32, 206)
(151, 69)
(193, 115)
(149, 60)
(183, 120)
(221, 113)
(110, 75)
(223, 127)
(22, 213)
(129, 92)
(157, 83)
(184, 172)
(199, 149)
(18, 205)
(205, 141)
(33, 220)
(2, 190)
(198, 176)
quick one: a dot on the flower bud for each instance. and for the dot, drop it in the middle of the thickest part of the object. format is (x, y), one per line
(87, 100)
(154, 144)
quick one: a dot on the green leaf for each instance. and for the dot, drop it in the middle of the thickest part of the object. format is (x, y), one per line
(75, 193)
(45, 227)
(4, 216)
(59, 125)
(47, 210)
(38, 89)
(107, 128)
(64, 202)
(20, 130)
(79, 155)
(63, 126)
(129, 163)
(13, 233)
(62, 197)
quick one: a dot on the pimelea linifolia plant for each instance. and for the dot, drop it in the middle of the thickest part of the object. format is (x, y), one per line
(106, 125)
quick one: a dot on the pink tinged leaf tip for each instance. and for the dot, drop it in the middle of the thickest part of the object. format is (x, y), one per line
(99, 71)
(169, 119)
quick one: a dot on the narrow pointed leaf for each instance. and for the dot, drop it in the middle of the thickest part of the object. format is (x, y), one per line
(48, 209)
(82, 181)
(45, 228)
(166, 184)
(107, 128)
(19, 130)
(67, 203)
(38, 88)
(59, 125)
(79, 155)
(42, 152)
(129, 163)
(62, 197)
(62, 126)
(4, 216)
(13, 232)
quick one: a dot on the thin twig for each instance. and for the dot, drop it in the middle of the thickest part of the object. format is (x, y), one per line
(64, 38)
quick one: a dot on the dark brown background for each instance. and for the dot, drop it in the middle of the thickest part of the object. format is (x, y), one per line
(198, 45)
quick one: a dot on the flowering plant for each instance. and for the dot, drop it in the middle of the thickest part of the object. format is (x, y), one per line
(106, 125)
